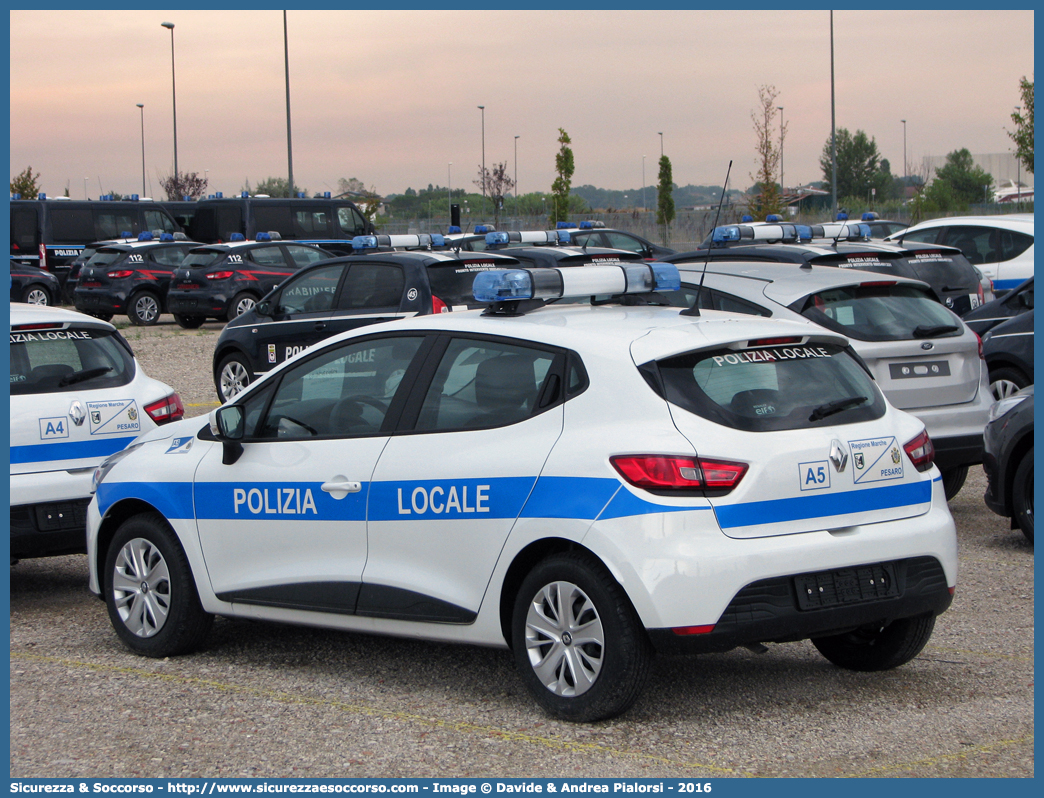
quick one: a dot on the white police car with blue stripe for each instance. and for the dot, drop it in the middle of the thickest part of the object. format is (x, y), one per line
(584, 484)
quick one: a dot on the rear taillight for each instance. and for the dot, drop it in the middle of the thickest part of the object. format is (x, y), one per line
(43, 257)
(166, 409)
(921, 451)
(119, 274)
(982, 295)
(667, 472)
(978, 339)
(438, 306)
(219, 275)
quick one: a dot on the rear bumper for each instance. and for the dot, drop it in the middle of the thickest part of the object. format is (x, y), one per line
(957, 451)
(197, 304)
(90, 300)
(49, 528)
(769, 610)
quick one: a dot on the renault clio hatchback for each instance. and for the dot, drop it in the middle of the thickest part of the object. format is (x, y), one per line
(582, 485)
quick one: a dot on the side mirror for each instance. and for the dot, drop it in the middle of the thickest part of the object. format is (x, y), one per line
(227, 424)
(1026, 299)
(263, 308)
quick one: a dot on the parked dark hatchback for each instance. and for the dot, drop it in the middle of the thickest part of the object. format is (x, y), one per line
(553, 256)
(223, 281)
(131, 278)
(1013, 303)
(33, 285)
(952, 278)
(617, 239)
(1008, 349)
(1008, 460)
(342, 294)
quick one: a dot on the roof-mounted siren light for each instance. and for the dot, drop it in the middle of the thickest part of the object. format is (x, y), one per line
(16, 196)
(482, 229)
(237, 237)
(263, 236)
(505, 289)
(592, 224)
(145, 235)
(134, 198)
(126, 234)
(219, 195)
(180, 237)
(565, 226)
(773, 218)
(503, 238)
(841, 217)
(166, 237)
(326, 195)
(186, 198)
(726, 234)
(274, 235)
(453, 229)
(870, 216)
(746, 218)
(438, 240)
(849, 231)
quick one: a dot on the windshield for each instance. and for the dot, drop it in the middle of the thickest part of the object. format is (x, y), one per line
(880, 312)
(49, 361)
(773, 387)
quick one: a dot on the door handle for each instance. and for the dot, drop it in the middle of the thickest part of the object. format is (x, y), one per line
(320, 325)
(339, 487)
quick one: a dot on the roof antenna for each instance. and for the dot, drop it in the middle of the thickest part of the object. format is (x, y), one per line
(695, 309)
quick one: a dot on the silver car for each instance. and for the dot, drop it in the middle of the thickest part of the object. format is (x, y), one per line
(926, 360)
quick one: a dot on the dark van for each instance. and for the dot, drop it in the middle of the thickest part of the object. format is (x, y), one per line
(324, 221)
(51, 233)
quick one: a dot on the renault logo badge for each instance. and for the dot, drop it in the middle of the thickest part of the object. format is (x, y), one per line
(838, 455)
(927, 345)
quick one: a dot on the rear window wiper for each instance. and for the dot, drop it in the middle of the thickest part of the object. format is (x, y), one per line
(932, 332)
(80, 376)
(836, 407)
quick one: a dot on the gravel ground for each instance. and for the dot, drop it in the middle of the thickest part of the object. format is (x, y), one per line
(265, 700)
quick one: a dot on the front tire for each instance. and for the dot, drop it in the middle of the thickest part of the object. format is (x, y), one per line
(578, 643)
(36, 295)
(1022, 495)
(953, 480)
(144, 309)
(149, 590)
(878, 647)
(240, 304)
(233, 376)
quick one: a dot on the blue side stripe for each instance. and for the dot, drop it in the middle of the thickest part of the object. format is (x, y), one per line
(822, 506)
(172, 499)
(570, 497)
(276, 500)
(499, 497)
(74, 450)
(1007, 285)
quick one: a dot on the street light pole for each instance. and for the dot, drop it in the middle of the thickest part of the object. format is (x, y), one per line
(85, 186)
(1018, 178)
(644, 206)
(449, 190)
(141, 106)
(661, 144)
(482, 108)
(833, 126)
(516, 175)
(289, 140)
(174, 95)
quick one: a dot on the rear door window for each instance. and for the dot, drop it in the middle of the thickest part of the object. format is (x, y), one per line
(157, 220)
(112, 224)
(773, 387)
(24, 229)
(372, 286)
(311, 292)
(267, 256)
(311, 223)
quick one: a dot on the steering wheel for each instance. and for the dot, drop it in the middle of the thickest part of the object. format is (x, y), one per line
(347, 413)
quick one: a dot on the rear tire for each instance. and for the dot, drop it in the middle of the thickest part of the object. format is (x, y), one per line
(189, 322)
(149, 590)
(953, 480)
(144, 309)
(240, 304)
(1007, 381)
(578, 643)
(1022, 495)
(878, 647)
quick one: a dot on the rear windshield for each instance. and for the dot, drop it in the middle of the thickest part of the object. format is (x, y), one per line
(880, 312)
(72, 359)
(452, 282)
(938, 267)
(773, 388)
(105, 257)
(203, 257)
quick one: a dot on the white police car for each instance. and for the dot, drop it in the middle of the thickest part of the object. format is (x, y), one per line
(582, 484)
(77, 396)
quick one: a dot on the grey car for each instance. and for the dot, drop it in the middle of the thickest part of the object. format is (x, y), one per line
(926, 360)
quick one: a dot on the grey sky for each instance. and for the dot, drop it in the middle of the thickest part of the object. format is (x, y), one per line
(391, 97)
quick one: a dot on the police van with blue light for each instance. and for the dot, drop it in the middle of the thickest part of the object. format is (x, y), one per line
(392, 277)
(584, 485)
(77, 396)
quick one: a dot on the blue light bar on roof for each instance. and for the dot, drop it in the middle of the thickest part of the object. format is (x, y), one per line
(145, 236)
(454, 229)
(409, 240)
(731, 232)
(746, 218)
(565, 226)
(237, 237)
(262, 237)
(166, 237)
(849, 231)
(505, 285)
(502, 238)
(870, 216)
(841, 217)
(482, 229)
(773, 218)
